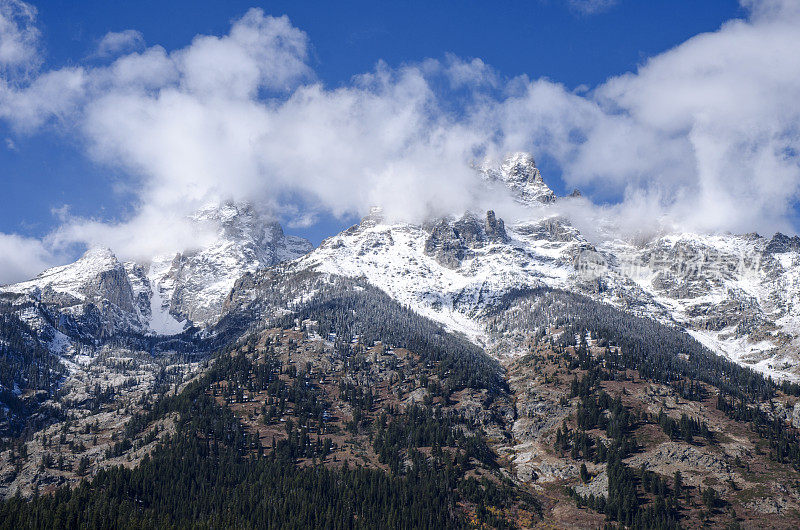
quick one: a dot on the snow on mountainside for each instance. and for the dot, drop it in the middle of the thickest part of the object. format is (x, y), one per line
(81, 281)
(98, 296)
(193, 285)
(520, 175)
(94, 296)
(735, 294)
(453, 269)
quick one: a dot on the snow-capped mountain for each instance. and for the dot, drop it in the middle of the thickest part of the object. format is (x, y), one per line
(733, 293)
(98, 295)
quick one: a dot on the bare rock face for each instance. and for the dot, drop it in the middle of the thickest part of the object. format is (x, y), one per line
(781, 243)
(445, 245)
(495, 229)
(450, 241)
(111, 286)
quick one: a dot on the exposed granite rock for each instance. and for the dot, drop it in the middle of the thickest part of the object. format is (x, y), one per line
(450, 241)
(781, 243)
(495, 228)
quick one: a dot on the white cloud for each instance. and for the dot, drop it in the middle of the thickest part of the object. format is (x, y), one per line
(51, 97)
(259, 52)
(19, 37)
(703, 136)
(115, 42)
(20, 257)
(718, 116)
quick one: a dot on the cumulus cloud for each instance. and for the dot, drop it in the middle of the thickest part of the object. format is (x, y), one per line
(710, 124)
(703, 136)
(115, 42)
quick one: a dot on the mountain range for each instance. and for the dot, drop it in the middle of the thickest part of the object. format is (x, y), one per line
(733, 293)
(513, 327)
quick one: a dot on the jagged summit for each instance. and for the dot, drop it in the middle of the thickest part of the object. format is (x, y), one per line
(520, 175)
(781, 243)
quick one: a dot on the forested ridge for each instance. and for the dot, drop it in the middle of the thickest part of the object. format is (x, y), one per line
(360, 310)
(659, 352)
(27, 366)
(214, 472)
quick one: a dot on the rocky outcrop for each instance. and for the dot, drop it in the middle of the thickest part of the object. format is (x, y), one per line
(445, 245)
(781, 243)
(450, 241)
(495, 229)
(555, 229)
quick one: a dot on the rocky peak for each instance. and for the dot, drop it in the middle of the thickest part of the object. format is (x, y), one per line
(85, 280)
(495, 228)
(451, 241)
(373, 218)
(781, 243)
(94, 295)
(520, 175)
(520, 167)
(240, 222)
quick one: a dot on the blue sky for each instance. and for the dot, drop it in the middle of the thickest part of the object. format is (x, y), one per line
(569, 54)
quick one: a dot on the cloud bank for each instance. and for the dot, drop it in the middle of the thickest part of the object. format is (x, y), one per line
(704, 136)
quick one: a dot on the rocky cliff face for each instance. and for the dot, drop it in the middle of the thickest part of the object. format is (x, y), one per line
(451, 241)
(93, 296)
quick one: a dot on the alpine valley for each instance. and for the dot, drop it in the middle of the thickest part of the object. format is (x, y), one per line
(465, 371)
